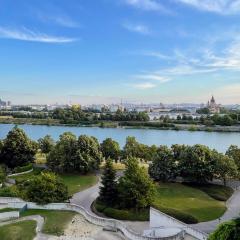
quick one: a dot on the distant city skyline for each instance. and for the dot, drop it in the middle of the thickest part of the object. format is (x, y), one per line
(88, 52)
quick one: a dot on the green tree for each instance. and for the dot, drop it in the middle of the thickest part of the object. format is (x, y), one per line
(227, 231)
(131, 147)
(234, 152)
(88, 155)
(17, 149)
(163, 167)
(63, 157)
(46, 144)
(108, 190)
(225, 167)
(136, 189)
(45, 188)
(110, 149)
(197, 164)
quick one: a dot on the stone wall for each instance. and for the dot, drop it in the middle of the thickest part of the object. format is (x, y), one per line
(159, 219)
(9, 215)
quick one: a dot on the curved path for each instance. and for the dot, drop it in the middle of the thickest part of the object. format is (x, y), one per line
(86, 197)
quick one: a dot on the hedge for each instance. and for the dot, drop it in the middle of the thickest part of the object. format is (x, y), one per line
(23, 168)
(181, 216)
(122, 214)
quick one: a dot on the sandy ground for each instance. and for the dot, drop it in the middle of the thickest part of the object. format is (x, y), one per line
(81, 229)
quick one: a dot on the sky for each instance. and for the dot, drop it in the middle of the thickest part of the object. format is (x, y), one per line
(102, 51)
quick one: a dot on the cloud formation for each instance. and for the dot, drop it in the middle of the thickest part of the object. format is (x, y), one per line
(144, 85)
(138, 28)
(147, 5)
(25, 34)
(217, 6)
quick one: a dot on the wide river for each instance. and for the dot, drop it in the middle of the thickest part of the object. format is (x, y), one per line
(217, 140)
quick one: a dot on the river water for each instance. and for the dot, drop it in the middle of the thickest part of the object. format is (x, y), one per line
(218, 140)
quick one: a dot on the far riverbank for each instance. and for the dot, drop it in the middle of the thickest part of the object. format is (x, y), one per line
(131, 124)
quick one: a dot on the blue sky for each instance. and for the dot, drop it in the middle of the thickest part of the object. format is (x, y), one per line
(99, 51)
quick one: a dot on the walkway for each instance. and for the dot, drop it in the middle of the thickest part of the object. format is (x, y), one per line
(86, 197)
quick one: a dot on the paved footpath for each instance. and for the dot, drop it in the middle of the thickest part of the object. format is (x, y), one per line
(86, 197)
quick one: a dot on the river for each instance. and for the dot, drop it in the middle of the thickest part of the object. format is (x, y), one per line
(218, 140)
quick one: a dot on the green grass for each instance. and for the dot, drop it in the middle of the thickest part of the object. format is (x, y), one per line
(8, 210)
(188, 200)
(54, 221)
(74, 182)
(77, 183)
(25, 230)
(218, 192)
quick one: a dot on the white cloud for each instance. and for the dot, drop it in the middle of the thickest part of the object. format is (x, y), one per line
(149, 5)
(153, 77)
(156, 54)
(144, 86)
(25, 34)
(138, 28)
(64, 21)
(217, 6)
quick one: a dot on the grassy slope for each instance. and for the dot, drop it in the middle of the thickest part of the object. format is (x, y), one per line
(74, 182)
(188, 200)
(55, 221)
(25, 230)
(77, 183)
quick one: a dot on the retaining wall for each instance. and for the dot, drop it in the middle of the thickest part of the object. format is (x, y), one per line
(160, 219)
(104, 222)
(9, 215)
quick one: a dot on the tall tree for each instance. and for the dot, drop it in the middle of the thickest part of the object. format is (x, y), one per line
(197, 164)
(108, 190)
(225, 167)
(62, 157)
(136, 189)
(110, 149)
(131, 148)
(46, 144)
(89, 155)
(17, 149)
(234, 152)
(163, 167)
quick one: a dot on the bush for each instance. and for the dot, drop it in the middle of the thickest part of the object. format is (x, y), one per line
(9, 192)
(23, 169)
(181, 216)
(122, 214)
(44, 188)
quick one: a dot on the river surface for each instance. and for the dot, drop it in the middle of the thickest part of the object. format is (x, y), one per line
(218, 140)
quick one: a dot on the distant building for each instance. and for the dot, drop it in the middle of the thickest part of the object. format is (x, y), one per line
(213, 106)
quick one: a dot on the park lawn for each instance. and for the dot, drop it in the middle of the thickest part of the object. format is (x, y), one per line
(77, 183)
(55, 222)
(188, 200)
(25, 230)
(8, 210)
(74, 182)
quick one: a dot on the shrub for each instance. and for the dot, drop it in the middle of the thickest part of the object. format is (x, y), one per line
(44, 188)
(181, 216)
(9, 192)
(23, 168)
